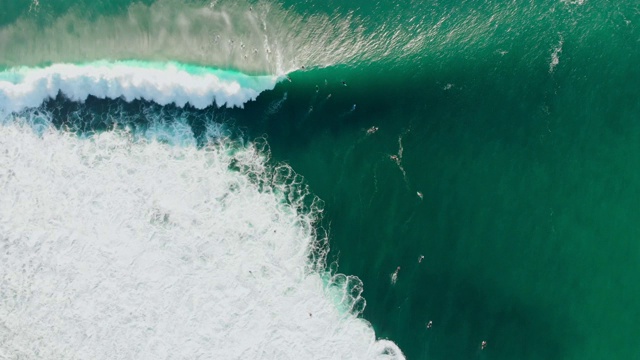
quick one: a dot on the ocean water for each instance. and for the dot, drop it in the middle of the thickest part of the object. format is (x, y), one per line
(319, 180)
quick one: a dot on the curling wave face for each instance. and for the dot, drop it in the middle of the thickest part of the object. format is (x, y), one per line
(162, 83)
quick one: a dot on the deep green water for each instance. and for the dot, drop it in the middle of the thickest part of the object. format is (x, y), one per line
(529, 169)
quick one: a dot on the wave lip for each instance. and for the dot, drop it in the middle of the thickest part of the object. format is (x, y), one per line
(162, 83)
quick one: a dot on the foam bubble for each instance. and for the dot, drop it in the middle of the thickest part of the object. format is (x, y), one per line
(163, 83)
(113, 247)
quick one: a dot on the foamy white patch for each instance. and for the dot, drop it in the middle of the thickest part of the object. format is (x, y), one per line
(555, 56)
(22, 88)
(115, 248)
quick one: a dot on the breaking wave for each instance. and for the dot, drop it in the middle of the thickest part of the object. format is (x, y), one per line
(162, 83)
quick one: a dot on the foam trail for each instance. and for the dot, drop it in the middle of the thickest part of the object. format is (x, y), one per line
(22, 88)
(113, 247)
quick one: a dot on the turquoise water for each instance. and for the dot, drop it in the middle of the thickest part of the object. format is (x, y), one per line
(514, 130)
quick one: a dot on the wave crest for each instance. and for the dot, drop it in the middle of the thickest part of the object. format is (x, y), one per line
(167, 83)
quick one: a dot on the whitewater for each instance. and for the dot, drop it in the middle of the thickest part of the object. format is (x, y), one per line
(162, 83)
(119, 244)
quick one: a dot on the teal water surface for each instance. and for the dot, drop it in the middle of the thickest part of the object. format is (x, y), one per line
(528, 172)
(501, 171)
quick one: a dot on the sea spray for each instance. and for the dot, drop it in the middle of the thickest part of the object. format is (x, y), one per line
(256, 37)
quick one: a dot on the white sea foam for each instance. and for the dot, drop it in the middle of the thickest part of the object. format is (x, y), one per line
(114, 248)
(573, 2)
(555, 55)
(168, 83)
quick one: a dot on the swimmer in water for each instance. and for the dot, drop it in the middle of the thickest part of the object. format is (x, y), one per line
(483, 345)
(353, 107)
(372, 130)
(328, 96)
(344, 83)
(420, 258)
(429, 324)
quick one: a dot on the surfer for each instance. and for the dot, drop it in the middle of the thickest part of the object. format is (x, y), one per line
(372, 130)
(420, 195)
